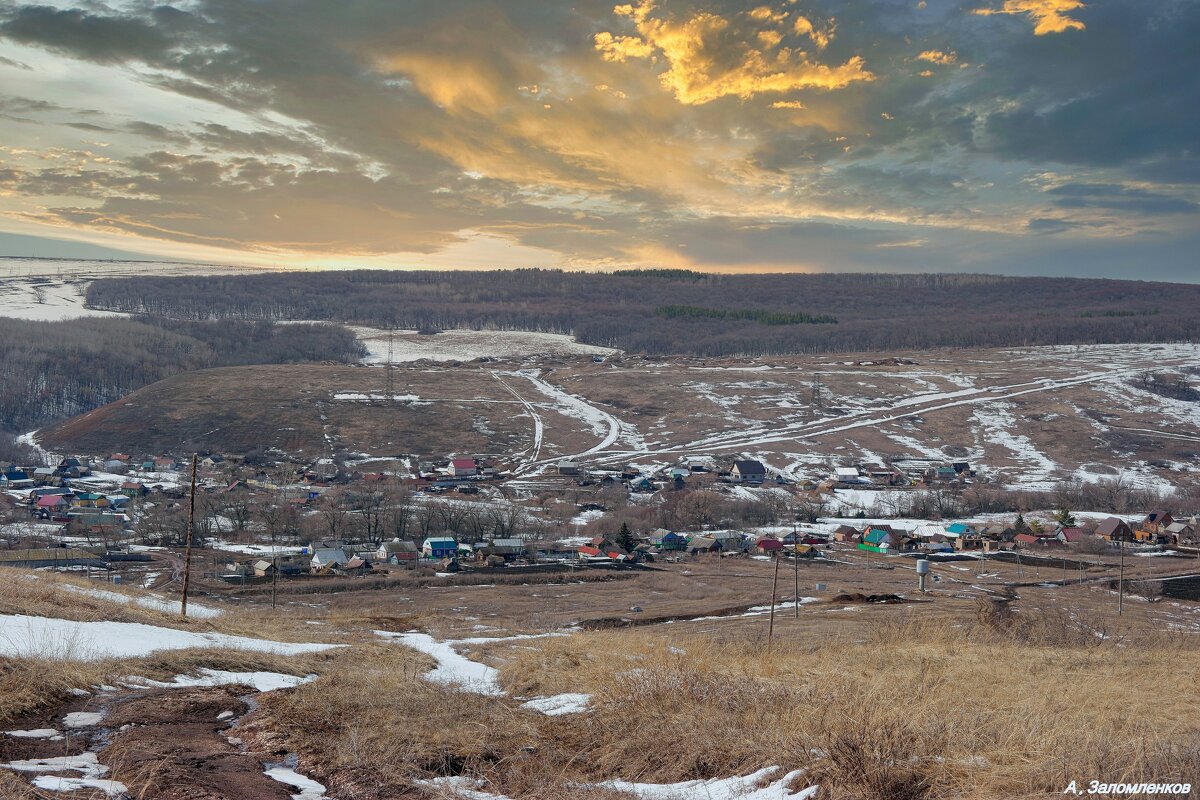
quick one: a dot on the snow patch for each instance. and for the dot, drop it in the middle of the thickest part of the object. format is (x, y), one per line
(24, 636)
(556, 705)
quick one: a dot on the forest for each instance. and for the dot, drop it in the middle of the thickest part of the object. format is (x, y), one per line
(53, 370)
(683, 312)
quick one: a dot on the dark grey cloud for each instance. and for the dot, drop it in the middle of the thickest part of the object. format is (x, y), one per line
(368, 126)
(1119, 198)
(96, 36)
(1122, 92)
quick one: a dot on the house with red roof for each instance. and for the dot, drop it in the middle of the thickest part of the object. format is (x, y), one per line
(463, 467)
(1071, 535)
(769, 545)
(51, 502)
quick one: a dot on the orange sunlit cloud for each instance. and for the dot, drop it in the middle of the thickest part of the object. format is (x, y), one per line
(1049, 16)
(710, 56)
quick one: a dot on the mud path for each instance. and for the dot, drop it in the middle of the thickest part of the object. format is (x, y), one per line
(152, 744)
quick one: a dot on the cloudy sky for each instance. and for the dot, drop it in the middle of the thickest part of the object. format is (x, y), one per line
(1018, 136)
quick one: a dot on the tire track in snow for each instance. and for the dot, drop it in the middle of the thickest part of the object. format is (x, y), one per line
(538, 426)
(812, 430)
(576, 407)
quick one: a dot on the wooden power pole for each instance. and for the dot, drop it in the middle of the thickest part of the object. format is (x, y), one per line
(187, 549)
(1121, 578)
(771, 625)
(796, 566)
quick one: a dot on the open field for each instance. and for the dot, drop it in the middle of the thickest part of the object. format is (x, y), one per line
(554, 686)
(1027, 418)
(55, 289)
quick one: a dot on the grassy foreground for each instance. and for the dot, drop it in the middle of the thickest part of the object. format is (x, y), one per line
(896, 707)
(899, 710)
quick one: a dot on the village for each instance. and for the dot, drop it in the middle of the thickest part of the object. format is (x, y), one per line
(255, 521)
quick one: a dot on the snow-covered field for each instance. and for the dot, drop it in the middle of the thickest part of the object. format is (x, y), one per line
(465, 345)
(53, 289)
(1029, 418)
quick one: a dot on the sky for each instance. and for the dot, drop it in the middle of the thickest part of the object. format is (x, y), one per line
(1026, 137)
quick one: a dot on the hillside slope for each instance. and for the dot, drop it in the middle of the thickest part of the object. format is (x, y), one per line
(1028, 418)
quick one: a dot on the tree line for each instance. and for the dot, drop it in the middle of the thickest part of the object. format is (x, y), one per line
(873, 311)
(53, 370)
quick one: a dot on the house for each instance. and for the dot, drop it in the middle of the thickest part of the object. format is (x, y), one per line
(212, 462)
(463, 467)
(642, 485)
(667, 541)
(398, 552)
(50, 503)
(505, 548)
(17, 479)
(586, 552)
(568, 468)
(1157, 519)
(930, 532)
(945, 473)
(846, 475)
(1153, 527)
(357, 564)
(90, 500)
(327, 557)
(881, 539)
(1181, 533)
(961, 529)
(748, 472)
(71, 468)
(793, 539)
(803, 551)
(44, 475)
(1114, 529)
(264, 569)
(847, 534)
(164, 463)
(769, 545)
(704, 544)
(1070, 535)
(134, 489)
(731, 541)
(439, 547)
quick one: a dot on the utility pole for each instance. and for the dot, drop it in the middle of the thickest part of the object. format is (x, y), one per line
(389, 390)
(187, 550)
(796, 565)
(771, 626)
(1121, 578)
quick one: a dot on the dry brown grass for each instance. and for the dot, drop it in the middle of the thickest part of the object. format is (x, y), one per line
(902, 709)
(903, 705)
